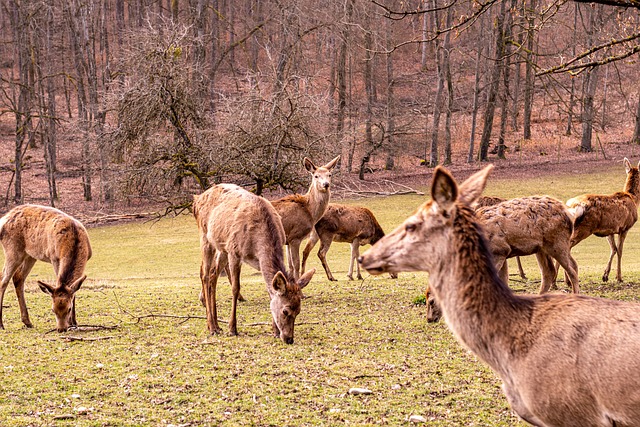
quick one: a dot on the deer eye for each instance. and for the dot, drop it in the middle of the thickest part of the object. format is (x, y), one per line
(410, 228)
(286, 312)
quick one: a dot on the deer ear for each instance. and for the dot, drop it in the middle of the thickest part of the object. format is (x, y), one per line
(279, 283)
(76, 284)
(332, 164)
(627, 165)
(471, 189)
(308, 165)
(306, 278)
(444, 190)
(46, 288)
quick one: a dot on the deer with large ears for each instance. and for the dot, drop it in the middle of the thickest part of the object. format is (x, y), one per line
(300, 212)
(237, 226)
(606, 215)
(564, 359)
(31, 233)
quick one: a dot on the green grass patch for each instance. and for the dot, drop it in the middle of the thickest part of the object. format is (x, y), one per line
(156, 371)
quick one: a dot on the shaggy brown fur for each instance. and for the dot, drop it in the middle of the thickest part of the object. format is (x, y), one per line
(606, 215)
(31, 233)
(300, 213)
(539, 225)
(484, 201)
(237, 226)
(565, 360)
(346, 224)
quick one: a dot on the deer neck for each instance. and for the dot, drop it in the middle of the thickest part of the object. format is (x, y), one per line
(317, 202)
(271, 261)
(478, 307)
(632, 185)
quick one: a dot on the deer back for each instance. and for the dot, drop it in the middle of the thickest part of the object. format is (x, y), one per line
(240, 223)
(525, 225)
(47, 234)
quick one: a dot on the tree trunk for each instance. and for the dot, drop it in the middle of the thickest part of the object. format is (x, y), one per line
(506, 80)
(590, 83)
(636, 132)
(437, 106)
(391, 125)
(476, 93)
(572, 93)
(529, 73)
(341, 80)
(446, 64)
(494, 85)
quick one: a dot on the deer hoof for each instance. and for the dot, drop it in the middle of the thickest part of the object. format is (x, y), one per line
(605, 278)
(333, 279)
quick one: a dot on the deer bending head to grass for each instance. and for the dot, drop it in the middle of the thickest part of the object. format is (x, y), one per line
(31, 233)
(300, 212)
(564, 359)
(606, 215)
(237, 226)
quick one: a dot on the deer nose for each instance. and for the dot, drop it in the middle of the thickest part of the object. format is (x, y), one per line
(326, 185)
(288, 340)
(360, 260)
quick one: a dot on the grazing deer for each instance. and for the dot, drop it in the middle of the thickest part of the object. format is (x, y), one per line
(539, 225)
(434, 312)
(237, 226)
(300, 212)
(564, 359)
(31, 233)
(345, 224)
(606, 215)
(490, 201)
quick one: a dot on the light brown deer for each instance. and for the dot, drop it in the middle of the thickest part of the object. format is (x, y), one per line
(539, 225)
(31, 233)
(346, 224)
(606, 215)
(564, 359)
(491, 201)
(300, 212)
(237, 226)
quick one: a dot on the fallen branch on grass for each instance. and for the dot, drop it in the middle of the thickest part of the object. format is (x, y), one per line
(86, 328)
(75, 338)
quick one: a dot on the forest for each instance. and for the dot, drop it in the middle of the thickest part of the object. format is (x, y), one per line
(158, 99)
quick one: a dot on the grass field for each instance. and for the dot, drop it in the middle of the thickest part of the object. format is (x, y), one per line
(156, 370)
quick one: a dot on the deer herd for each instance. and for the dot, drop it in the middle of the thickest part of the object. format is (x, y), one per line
(564, 359)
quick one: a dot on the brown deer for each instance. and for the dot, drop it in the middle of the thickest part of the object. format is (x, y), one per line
(564, 359)
(300, 212)
(237, 226)
(606, 215)
(434, 312)
(491, 201)
(31, 233)
(539, 225)
(345, 224)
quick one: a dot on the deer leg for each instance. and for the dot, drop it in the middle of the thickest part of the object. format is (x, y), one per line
(503, 269)
(11, 264)
(621, 238)
(547, 271)
(234, 278)
(19, 278)
(614, 250)
(355, 253)
(520, 269)
(313, 239)
(325, 244)
(209, 275)
(294, 247)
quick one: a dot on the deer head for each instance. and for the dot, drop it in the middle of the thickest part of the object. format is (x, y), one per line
(434, 312)
(423, 240)
(321, 176)
(63, 298)
(285, 303)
